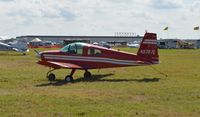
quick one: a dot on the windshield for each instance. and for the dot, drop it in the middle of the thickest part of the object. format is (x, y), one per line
(73, 48)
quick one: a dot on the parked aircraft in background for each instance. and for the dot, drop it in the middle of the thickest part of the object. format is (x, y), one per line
(135, 44)
(82, 56)
(14, 45)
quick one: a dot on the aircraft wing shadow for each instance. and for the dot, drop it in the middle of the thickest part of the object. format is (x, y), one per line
(98, 78)
(10, 54)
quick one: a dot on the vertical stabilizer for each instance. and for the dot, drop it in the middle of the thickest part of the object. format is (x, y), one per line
(148, 48)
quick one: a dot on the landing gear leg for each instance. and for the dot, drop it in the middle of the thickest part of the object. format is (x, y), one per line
(51, 76)
(87, 75)
(69, 78)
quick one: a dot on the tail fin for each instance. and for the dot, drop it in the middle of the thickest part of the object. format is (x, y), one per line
(148, 50)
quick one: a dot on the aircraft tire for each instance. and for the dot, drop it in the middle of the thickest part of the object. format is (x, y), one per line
(69, 79)
(87, 75)
(51, 77)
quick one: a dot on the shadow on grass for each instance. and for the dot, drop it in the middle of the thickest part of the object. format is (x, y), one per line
(63, 82)
(53, 83)
(145, 80)
(11, 54)
(98, 78)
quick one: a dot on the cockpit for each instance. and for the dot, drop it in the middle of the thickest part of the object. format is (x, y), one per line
(78, 49)
(73, 48)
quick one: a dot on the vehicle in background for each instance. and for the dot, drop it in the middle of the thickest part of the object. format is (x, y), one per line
(135, 44)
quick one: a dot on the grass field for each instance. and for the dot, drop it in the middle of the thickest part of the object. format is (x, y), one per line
(125, 92)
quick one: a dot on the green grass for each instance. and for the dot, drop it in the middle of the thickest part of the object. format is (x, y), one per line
(131, 91)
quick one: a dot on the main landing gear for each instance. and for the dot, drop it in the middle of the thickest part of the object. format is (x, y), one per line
(68, 78)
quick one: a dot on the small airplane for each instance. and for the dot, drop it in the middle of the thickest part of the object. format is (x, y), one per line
(14, 45)
(135, 44)
(83, 56)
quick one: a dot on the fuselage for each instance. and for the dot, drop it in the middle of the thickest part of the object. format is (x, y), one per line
(17, 46)
(92, 57)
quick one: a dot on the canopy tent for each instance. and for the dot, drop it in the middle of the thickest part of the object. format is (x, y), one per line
(36, 40)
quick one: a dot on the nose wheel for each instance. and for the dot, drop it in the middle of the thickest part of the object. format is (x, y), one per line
(51, 76)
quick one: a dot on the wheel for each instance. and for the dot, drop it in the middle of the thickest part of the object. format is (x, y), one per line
(51, 77)
(69, 79)
(87, 75)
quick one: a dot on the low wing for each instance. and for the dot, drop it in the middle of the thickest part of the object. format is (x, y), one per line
(58, 65)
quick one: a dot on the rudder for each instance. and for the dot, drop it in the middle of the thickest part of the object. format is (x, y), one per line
(148, 50)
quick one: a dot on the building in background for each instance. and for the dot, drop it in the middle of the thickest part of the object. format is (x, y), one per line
(195, 42)
(176, 44)
(68, 41)
(198, 43)
(92, 39)
(168, 43)
(114, 40)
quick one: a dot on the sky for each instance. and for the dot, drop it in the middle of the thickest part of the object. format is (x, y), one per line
(100, 17)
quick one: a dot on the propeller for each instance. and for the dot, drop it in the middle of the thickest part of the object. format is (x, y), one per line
(38, 54)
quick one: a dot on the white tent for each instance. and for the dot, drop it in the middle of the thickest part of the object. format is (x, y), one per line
(36, 40)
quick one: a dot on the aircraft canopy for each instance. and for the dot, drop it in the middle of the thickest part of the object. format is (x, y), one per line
(74, 48)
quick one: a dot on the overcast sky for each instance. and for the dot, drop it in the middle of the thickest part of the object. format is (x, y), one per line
(99, 17)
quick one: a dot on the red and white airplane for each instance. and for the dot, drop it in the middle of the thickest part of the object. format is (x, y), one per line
(82, 56)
